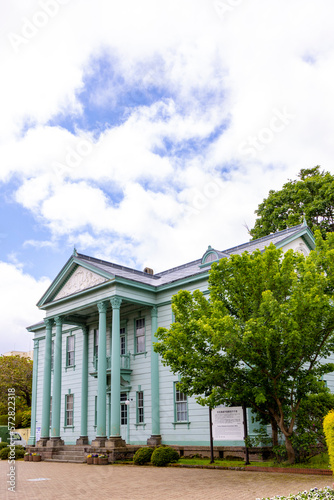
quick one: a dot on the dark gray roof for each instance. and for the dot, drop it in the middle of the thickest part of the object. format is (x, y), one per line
(192, 268)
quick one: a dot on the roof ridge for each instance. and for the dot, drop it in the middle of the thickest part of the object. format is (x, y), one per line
(267, 237)
(117, 266)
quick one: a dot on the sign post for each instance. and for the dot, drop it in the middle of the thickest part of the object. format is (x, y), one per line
(229, 424)
(211, 437)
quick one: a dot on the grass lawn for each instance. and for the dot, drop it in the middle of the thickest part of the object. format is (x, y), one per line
(318, 462)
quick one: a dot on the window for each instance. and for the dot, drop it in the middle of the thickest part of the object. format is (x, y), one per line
(96, 343)
(123, 342)
(210, 257)
(181, 406)
(69, 400)
(124, 409)
(140, 335)
(70, 351)
(52, 353)
(140, 407)
(95, 412)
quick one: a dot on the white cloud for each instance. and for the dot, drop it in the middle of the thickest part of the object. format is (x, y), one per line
(19, 294)
(172, 176)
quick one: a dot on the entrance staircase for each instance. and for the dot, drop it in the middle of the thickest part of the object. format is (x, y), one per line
(67, 453)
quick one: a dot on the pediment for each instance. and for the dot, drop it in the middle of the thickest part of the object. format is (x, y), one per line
(80, 280)
(297, 245)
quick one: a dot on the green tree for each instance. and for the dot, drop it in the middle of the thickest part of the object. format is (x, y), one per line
(263, 335)
(309, 438)
(16, 373)
(311, 196)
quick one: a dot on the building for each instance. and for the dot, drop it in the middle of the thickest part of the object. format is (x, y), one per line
(96, 378)
(22, 354)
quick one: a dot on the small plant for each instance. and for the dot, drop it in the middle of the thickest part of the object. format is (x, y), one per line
(280, 452)
(314, 493)
(19, 452)
(142, 456)
(164, 455)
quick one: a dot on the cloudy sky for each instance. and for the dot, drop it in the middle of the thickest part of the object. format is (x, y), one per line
(141, 132)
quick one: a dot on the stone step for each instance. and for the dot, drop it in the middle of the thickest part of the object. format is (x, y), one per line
(69, 453)
(64, 461)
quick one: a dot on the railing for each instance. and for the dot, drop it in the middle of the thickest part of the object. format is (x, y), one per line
(125, 362)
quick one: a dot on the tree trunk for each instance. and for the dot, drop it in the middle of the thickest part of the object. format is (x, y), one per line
(290, 450)
(274, 431)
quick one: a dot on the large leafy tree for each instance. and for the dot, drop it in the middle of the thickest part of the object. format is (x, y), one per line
(16, 373)
(311, 196)
(261, 337)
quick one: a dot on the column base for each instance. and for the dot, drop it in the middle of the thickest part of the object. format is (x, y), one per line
(31, 441)
(154, 440)
(115, 442)
(99, 442)
(82, 440)
(54, 442)
(43, 441)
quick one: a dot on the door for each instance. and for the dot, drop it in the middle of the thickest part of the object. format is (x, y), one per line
(124, 416)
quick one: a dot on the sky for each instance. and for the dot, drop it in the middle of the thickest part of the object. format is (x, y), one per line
(142, 132)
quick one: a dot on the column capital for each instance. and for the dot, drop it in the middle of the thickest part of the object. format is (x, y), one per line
(115, 302)
(102, 306)
(154, 312)
(48, 322)
(59, 320)
(36, 343)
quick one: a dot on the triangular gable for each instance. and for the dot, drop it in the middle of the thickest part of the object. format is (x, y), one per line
(75, 277)
(80, 280)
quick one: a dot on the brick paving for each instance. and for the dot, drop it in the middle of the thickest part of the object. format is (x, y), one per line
(62, 481)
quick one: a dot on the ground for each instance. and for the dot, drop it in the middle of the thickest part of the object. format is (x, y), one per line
(61, 481)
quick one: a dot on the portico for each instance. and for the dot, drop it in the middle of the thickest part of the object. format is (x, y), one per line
(96, 326)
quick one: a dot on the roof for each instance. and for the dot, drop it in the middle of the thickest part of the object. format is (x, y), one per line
(195, 267)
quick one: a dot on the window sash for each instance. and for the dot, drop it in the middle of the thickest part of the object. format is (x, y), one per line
(181, 406)
(96, 343)
(69, 409)
(140, 407)
(123, 341)
(70, 350)
(140, 335)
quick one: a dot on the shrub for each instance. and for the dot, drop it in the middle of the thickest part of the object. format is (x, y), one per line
(142, 456)
(3, 444)
(329, 433)
(164, 455)
(19, 452)
(26, 418)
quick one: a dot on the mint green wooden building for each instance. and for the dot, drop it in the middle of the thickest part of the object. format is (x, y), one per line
(96, 378)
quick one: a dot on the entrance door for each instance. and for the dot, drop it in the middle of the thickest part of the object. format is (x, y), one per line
(124, 416)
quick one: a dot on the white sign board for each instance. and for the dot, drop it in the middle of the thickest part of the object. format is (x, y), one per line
(38, 433)
(228, 424)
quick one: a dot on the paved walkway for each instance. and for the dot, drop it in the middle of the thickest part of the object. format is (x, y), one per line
(61, 481)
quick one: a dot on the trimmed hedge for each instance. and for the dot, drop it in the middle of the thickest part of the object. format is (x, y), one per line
(143, 456)
(19, 452)
(3, 444)
(22, 419)
(164, 455)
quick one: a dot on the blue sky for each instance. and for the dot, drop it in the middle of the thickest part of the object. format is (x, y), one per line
(143, 132)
